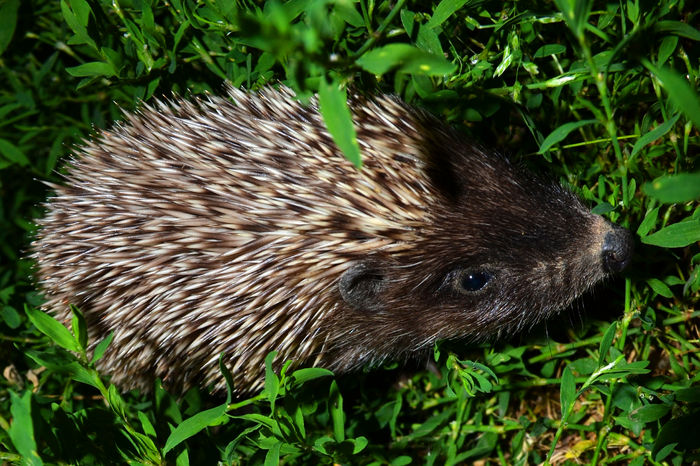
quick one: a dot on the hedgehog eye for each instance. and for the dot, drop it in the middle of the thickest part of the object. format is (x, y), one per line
(470, 281)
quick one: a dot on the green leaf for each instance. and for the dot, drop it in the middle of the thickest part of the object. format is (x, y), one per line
(562, 132)
(649, 222)
(650, 413)
(602, 208)
(272, 458)
(681, 431)
(95, 68)
(679, 91)
(677, 235)
(549, 49)
(12, 153)
(227, 377)
(146, 425)
(259, 419)
(335, 400)
(405, 58)
(666, 49)
(671, 189)
(678, 28)
(333, 103)
(194, 425)
(116, 402)
(444, 10)
(605, 342)
(302, 376)
(8, 22)
(272, 382)
(79, 327)
(654, 134)
(77, 15)
(660, 287)
(21, 430)
(101, 347)
(10, 316)
(53, 329)
(359, 444)
(662, 453)
(567, 393)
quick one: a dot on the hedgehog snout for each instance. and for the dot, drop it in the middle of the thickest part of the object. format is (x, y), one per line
(618, 246)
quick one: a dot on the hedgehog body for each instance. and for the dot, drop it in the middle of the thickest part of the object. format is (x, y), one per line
(234, 225)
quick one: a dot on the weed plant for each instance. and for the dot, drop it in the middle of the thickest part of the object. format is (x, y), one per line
(602, 95)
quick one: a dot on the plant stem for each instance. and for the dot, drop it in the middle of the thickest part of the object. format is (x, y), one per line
(380, 30)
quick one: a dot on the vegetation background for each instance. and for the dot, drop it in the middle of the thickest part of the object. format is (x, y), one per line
(602, 95)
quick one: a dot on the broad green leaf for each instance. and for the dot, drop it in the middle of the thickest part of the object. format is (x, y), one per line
(689, 395)
(680, 431)
(678, 28)
(333, 103)
(662, 453)
(650, 413)
(22, 428)
(654, 134)
(549, 49)
(77, 14)
(679, 91)
(272, 458)
(407, 21)
(298, 417)
(567, 393)
(649, 222)
(12, 153)
(666, 49)
(301, 376)
(670, 189)
(660, 287)
(95, 68)
(349, 13)
(146, 424)
(677, 235)
(404, 58)
(52, 328)
(10, 316)
(430, 425)
(101, 347)
(194, 425)
(602, 208)
(8, 22)
(562, 132)
(428, 41)
(359, 444)
(444, 10)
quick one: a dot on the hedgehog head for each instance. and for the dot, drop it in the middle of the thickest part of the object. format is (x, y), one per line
(501, 250)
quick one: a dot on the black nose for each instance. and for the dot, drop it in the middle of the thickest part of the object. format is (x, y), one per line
(618, 245)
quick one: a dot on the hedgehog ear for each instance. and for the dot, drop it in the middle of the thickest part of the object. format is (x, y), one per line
(361, 287)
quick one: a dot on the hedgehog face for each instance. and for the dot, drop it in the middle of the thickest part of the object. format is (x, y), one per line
(496, 258)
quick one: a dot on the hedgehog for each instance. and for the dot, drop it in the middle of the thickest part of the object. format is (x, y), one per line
(235, 226)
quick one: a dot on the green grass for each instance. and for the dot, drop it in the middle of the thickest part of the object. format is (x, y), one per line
(601, 95)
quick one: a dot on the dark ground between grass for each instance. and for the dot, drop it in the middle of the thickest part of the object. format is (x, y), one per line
(600, 95)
